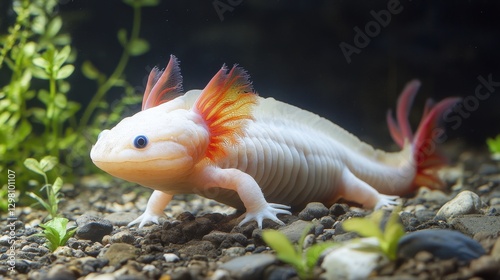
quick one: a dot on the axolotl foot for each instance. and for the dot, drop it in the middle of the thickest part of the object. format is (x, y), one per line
(147, 217)
(269, 211)
(388, 201)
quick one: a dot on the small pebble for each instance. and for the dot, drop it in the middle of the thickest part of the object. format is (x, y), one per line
(234, 251)
(349, 262)
(338, 209)
(249, 266)
(93, 228)
(123, 237)
(60, 272)
(313, 210)
(464, 203)
(295, 230)
(170, 257)
(120, 252)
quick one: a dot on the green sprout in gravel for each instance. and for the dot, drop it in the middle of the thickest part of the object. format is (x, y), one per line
(388, 238)
(45, 165)
(494, 147)
(303, 261)
(56, 233)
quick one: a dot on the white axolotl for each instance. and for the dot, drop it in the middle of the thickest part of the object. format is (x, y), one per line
(226, 143)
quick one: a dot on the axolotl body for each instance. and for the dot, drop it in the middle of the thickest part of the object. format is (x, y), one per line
(259, 154)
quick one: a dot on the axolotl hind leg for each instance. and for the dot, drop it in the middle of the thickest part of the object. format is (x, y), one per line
(356, 190)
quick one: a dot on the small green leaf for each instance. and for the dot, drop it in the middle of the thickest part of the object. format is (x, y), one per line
(364, 227)
(138, 47)
(62, 39)
(60, 100)
(40, 73)
(44, 96)
(48, 163)
(26, 79)
(71, 232)
(89, 70)
(65, 72)
(24, 130)
(4, 117)
(39, 200)
(285, 250)
(41, 62)
(122, 36)
(54, 26)
(33, 165)
(39, 114)
(38, 25)
(315, 251)
(61, 56)
(29, 49)
(58, 183)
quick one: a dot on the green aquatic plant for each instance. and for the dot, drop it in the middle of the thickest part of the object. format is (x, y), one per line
(303, 261)
(4, 202)
(387, 236)
(36, 116)
(52, 190)
(494, 146)
(56, 232)
(33, 114)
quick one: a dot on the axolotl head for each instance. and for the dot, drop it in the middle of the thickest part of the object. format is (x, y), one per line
(160, 146)
(154, 146)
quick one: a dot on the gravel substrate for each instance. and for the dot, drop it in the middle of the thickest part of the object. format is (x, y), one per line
(201, 239)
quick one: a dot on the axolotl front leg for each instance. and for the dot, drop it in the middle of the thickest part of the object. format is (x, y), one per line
(257, 208)
(154, 210)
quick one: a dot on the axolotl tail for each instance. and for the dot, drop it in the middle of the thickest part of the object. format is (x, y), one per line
(428, 160)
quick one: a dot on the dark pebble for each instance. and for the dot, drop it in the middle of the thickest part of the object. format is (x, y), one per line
(443, 244)
(226, 240)
(409, 221)
(338, 210)
(21, 266)
(123, 237)
(313, 210)
(327, 221)
(279, 273)
(30, 231)
(93, 228)
(26, 255)
(146, 259)
(36, 239)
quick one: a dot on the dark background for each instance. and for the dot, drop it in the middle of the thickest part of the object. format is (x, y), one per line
(291, 50)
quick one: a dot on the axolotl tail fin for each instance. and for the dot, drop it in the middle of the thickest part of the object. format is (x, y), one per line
(427, 159)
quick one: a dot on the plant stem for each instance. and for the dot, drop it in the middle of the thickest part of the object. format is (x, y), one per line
(117, 73)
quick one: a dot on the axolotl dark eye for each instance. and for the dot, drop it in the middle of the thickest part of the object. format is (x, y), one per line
(140, 142)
